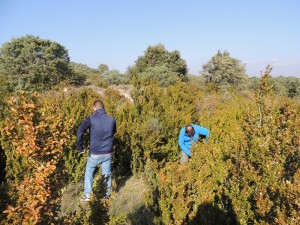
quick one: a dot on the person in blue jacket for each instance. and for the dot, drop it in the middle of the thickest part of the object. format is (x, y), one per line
(189, 135)
(102, 129)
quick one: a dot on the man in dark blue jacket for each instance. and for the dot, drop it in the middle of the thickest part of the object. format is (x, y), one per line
(102, 129)
(188, 136)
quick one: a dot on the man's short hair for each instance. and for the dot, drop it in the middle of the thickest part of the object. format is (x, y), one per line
(98, 104)
(189, 129)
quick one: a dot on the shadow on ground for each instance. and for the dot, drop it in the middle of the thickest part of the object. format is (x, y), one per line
(208, 214)
(141, 216)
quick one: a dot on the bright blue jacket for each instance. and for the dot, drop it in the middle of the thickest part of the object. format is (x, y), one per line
(102, 129)
(185, 141)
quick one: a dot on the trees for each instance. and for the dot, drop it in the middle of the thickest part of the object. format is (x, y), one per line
(223, 69)
(113, 77)
(31, 62)
(161, 74)
(103, 68)
(288, 86)
(158, 56)
(293, 86)
(249, 172)
(84, 74)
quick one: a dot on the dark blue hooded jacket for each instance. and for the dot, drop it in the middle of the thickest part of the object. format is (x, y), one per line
(102, 129)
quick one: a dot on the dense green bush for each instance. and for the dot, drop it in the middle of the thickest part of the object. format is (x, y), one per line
(33, 63)
(160, 74)
(248, 173)
(157, 56)
(224, 70)
(114, 77)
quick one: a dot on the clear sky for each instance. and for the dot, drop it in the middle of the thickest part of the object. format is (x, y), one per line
(116, 33)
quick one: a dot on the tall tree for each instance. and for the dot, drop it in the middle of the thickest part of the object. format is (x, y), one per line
(103, 68)
(223, 69)
(157, 56)
(114, 77)
(31, 62)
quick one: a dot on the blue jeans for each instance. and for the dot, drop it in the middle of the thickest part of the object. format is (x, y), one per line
(92, 162)
(184, 158)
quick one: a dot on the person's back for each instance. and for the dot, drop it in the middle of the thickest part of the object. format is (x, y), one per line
(102, 131)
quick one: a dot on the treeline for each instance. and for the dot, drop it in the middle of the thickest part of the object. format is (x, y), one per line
(249, 173)
(31, 63)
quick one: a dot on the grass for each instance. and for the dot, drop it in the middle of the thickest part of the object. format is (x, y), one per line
(125, 207)
(129, 202)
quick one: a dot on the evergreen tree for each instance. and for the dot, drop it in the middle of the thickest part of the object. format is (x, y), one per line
(223, 69)
(157, 56)
(31, 62)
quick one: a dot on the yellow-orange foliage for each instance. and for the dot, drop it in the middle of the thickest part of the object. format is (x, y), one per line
(40, 139)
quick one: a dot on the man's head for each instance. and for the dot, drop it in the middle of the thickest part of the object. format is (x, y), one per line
(189, 130)
(98, 105)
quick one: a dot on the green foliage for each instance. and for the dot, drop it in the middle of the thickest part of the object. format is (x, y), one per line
(153, 135)
(38, 140)
(192, 193)
(293, 88)
(266, 167)
(157, 56)
(249, 173)
(282, 86)
(81, 73)
(82, 69)
(30, 62)
(287, 86)
(197, 80)
(223, 70)
(75, 212)
(75, 106)
(4, 89)
(68, 108)
(102, 68)
(252, 83)
(160, 74)
(114, 77)
(86, 75)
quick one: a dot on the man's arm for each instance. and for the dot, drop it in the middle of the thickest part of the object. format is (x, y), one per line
(183, 147)
(202, 131)
(80, 134)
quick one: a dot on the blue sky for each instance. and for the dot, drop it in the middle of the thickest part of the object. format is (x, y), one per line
(116, 33)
